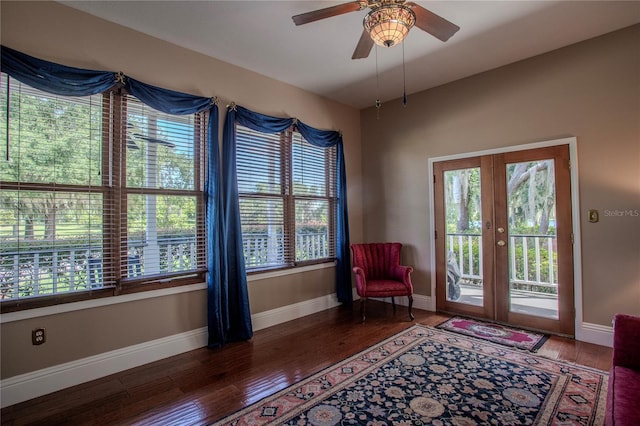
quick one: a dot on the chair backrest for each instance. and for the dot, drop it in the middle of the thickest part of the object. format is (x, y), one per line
(376, 259)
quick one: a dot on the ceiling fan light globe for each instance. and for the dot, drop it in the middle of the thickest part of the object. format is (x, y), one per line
(388, 25)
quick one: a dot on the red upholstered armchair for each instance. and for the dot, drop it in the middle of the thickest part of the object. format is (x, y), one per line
(379, 273)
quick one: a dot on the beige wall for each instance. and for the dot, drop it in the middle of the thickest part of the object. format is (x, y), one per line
(57, 33)
(590, 90)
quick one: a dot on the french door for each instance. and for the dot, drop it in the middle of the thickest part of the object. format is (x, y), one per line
(504, 238)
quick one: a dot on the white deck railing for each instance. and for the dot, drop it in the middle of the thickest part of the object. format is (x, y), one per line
(534, 266)
(72, 268)
(261, 249)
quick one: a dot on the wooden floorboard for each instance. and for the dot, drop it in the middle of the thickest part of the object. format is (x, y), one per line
(204, 385)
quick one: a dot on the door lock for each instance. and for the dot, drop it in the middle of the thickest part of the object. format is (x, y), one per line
(501, 243)
(501, 229)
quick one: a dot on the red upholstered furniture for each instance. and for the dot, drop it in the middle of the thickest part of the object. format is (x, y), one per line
(623, 397)
(379, 273)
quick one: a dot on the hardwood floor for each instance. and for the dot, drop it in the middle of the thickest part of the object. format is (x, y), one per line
(204, 385)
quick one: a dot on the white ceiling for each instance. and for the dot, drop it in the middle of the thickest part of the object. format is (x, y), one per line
(260, 36)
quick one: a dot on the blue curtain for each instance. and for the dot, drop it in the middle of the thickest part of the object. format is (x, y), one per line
(232, 229)
(69, 81)
(54, 78)
(236, 312)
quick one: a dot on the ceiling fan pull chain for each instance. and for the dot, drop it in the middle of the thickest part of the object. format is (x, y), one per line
(378, 103)
(404, 81)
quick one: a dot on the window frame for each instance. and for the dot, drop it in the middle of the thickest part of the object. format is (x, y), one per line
(288, 197)
(114, 194)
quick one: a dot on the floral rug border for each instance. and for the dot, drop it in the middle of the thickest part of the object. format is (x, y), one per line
(574, 387)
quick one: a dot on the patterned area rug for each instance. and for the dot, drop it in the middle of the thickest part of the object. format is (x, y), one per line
(496, 333)
(427, 376)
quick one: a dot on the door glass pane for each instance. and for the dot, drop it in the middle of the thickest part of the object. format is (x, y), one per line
(533, 268)
(464, 236)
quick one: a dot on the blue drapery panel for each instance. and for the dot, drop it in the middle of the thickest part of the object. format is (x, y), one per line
(69, 81)
(236, 313)
(321, 138)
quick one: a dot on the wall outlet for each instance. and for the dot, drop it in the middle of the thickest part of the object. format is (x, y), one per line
(38, 336)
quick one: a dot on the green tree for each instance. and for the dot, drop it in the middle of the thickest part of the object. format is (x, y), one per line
(531, 193)
(50, 139)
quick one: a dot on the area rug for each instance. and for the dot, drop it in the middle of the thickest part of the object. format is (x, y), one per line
(496, 333)
(428, 376)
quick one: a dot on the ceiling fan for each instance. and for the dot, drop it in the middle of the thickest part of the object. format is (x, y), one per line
(386, 24)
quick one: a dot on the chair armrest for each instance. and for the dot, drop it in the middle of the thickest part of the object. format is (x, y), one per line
(361, 277)
(626, 341)
(360, 272)
(403, 273)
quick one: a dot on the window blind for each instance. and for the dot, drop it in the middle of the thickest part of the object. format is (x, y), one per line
(287, 192)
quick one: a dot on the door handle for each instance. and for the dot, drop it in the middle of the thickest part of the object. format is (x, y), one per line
(501, 230)
(501, 243)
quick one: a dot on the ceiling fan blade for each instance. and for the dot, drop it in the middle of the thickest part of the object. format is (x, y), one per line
(435, 25)
(328, 12)
(364, 46)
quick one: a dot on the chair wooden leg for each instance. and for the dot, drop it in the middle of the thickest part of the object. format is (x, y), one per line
(393, 302)
(410, 306)
(363, 303)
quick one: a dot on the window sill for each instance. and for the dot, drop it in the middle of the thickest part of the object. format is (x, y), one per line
(95, 303)
(256, 276)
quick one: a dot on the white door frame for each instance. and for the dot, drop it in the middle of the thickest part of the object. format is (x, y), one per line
(575, 216)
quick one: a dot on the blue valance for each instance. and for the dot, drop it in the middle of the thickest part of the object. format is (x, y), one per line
(54, 78)
(167, 101)
(322, 138)
(259, 122)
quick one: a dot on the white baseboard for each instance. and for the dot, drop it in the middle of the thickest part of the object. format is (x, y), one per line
(595, 333)
(276, 316)
(298, 310)
(41, 382)
(419, 302)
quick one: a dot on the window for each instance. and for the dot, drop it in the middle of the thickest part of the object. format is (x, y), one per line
(162, 228)
(97, 193)
(287, 193)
